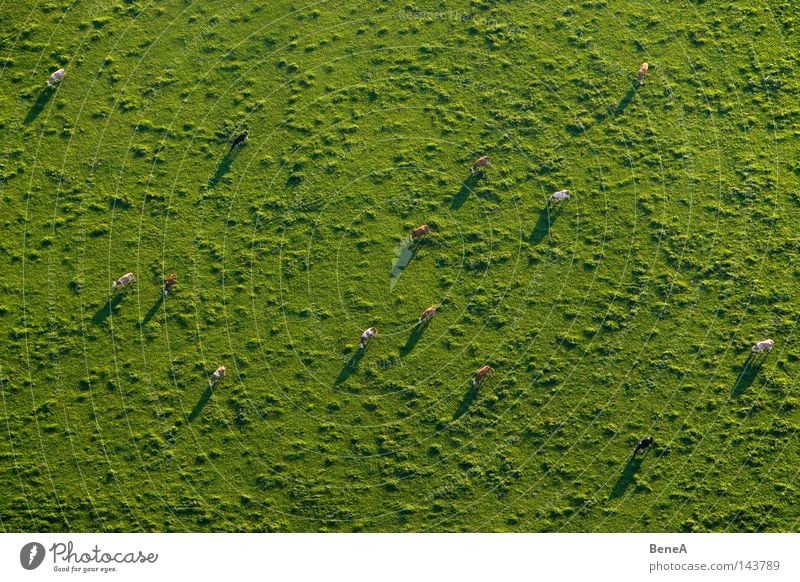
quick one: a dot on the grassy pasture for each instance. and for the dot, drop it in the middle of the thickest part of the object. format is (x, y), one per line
(627, 311)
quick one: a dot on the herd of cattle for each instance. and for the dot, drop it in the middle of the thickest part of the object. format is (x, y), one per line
(483, 162)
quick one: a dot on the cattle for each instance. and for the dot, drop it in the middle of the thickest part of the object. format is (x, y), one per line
(427, 314)
(420, 231)
(642, 73)
(763, 346)
(366, 336)
(482, 372)
(239, 139)
(559, 196)
(643, 445)
(55, 78)
(123, 281)
(216, 376)
(169, 283)
(479, 164)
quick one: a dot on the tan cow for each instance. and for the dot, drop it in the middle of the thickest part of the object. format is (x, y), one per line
(169, 283)
(427, 314)
(642, 73)
(481, 374)
(479, 164)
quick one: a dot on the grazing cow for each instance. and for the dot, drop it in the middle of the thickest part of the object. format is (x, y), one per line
(55, 78)
(763, 346)
(169, 283)
(239, 139)
(366, 336)
(559, 196)
(420, 231)
(427, 314)
(643, 445)
(216, 376)
(642, 73)
(479, 164)
(481, 374)
(123, 281)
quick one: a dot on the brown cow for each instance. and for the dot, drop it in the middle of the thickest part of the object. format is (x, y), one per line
(427, 314)
(481, 374)
(479, 164)
(169, 283)
(420, 231)
(642, 72)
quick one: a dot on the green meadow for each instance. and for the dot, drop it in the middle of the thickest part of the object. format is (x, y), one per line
(627, 311)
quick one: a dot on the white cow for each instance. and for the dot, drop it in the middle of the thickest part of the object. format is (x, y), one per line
(123, 281)
(55, 78)
(366, 336)
(763, 346)
(559, 196)
(216, 376)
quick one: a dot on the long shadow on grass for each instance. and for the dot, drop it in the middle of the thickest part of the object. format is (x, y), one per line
(150, 314)
(631, 468)
(468, 399)
(349, 367)
(750, 369)
(547, 217)
(466, 187)
(223, 167)
(103, 313)
(198, 408)
(37, 107)
(627, 99)
(413, 338)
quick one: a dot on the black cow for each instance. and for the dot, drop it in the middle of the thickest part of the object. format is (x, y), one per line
(239, 139)
(643, 445)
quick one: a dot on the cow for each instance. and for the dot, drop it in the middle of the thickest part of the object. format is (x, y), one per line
(169, 283)
(482, 372)
(763, 346)
(479, 164)
(56, 77)
(216, 376)
(559, 196)
(643, 445)
(368, 334)
(123, 281)
(427, 314)
(420, 231)
(239, 139)
(642, 73)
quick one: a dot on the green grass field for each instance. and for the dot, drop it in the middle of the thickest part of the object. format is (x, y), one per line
(628, 311)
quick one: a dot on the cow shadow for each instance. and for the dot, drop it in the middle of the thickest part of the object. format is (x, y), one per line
(469, 397)
(104, 312)
(198, 408)
(413, 338)
(750, 369)
(547, 217)
(223, 167)
(467, 186)
(38, 106)
(349, 367)
(626, 100)
(153, 310)
(628, 473)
